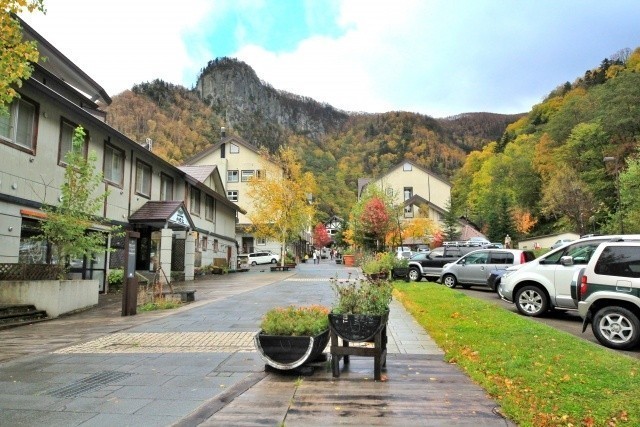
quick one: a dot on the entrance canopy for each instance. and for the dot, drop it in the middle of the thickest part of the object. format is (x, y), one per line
(163, 214)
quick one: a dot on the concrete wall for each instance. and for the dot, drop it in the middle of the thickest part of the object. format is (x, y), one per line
(56, 297)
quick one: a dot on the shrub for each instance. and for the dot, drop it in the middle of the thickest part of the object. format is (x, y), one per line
(296, 321)
(361, 296)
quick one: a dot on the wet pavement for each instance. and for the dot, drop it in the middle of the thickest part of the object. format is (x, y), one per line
(197, 365)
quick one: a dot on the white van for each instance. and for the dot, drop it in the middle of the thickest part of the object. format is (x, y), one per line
(545, 283)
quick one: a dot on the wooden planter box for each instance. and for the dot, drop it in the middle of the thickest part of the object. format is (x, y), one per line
(349, 260)
(286, 352)
(358, 328)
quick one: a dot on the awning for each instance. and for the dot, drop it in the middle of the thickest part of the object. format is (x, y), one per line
(170, 214)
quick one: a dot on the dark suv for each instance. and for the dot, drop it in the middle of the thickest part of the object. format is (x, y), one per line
(607, 292)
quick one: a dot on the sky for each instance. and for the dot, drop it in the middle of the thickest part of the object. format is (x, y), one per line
(434, 57)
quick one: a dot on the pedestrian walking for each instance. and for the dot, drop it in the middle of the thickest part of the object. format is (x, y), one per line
(315, 256)
(507, 242)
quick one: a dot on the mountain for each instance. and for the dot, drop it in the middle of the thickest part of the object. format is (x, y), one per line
(338, 146)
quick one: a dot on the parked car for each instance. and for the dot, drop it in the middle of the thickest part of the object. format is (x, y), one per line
(495, 245)
(264, 257)
(560, 242)
(495, 277)
(473, 269)
(430, 264)
(607, 292)
(478, 242)
(545, 283)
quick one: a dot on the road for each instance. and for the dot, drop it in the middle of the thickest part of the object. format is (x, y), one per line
(567, 321)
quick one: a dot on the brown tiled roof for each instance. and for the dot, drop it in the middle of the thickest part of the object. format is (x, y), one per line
(156, 211)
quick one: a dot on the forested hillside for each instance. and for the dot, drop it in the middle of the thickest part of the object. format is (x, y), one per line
(557, 168)
(338, 147)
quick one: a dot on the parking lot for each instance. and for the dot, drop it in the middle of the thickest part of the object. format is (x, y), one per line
(563, 320)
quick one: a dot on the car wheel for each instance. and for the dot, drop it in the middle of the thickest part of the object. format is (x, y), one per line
(616, 327)
(274, 261)
(531, 301)
(449, 280)
(254, 263)
(496, 287)
(414, 275)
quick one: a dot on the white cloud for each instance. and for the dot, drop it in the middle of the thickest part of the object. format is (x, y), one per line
(118, 42)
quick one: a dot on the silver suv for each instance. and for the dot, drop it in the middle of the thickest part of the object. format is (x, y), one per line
(545, 282)
(475, 267)
(607, 292)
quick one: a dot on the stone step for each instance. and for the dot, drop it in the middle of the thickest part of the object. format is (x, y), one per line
(21, 314)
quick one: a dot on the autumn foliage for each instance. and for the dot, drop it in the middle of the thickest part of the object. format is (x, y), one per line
(320, 236)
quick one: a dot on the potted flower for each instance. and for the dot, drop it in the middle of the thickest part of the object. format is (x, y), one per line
(379, 266)
(360, 313)
(400, 268)
(361, 308)
(291, 336)
(349, 257)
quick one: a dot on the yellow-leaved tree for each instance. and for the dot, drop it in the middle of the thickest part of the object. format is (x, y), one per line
(16, 55)
(281, 199)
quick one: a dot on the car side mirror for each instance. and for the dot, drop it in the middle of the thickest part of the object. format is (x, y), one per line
(463, 261)
(567, 261)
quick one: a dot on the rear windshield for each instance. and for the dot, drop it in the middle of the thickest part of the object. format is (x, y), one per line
(623, 261)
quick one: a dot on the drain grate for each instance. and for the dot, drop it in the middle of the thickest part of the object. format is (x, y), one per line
(92, 383)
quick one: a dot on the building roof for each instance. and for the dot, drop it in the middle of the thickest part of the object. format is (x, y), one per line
(363, 182)
(234, 138)
(201, 173)
(419, 200)
(163, 213)
(60, 66)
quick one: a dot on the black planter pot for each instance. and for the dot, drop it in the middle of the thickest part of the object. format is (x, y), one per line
(400, 273)
(288, 352)
(357, 327)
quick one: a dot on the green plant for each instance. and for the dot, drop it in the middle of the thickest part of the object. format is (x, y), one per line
(400, 262)
(296, 321)
(361, 296)
(65, 226)
(160, 304)
(378, 263)
(116, 277)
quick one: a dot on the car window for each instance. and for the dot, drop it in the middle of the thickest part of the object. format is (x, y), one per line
(581, 252)
(529, 256)
(623, 261)
(477, 258)
(501, 258)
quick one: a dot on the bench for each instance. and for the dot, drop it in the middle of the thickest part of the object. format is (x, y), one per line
(282, 267)
(185, 296)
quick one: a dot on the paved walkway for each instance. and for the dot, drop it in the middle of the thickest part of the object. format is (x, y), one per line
(197, 366)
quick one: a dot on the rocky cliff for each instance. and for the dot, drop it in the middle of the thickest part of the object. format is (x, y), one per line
(252, 107)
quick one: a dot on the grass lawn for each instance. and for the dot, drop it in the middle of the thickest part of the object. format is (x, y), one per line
(540, 376)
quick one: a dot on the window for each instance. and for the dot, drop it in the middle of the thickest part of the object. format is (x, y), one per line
(67, 129)
(19, 126)
(195, 201)
(208, 208)
(232, 195)
(215, 245)
(113, 167)
(222, 150)
(261, 241)
(501, 258)
(247, 175)
(261, 174)
(205, 241)
(143, 179)
(234, 149)
(166, 187)
(623, 261)
(232, 176)
(408, 193)
(407, 167)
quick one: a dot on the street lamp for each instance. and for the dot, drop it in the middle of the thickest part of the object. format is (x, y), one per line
(609, 159)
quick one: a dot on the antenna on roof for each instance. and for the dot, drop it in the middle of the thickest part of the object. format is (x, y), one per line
(223, 132)
(148, 144)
